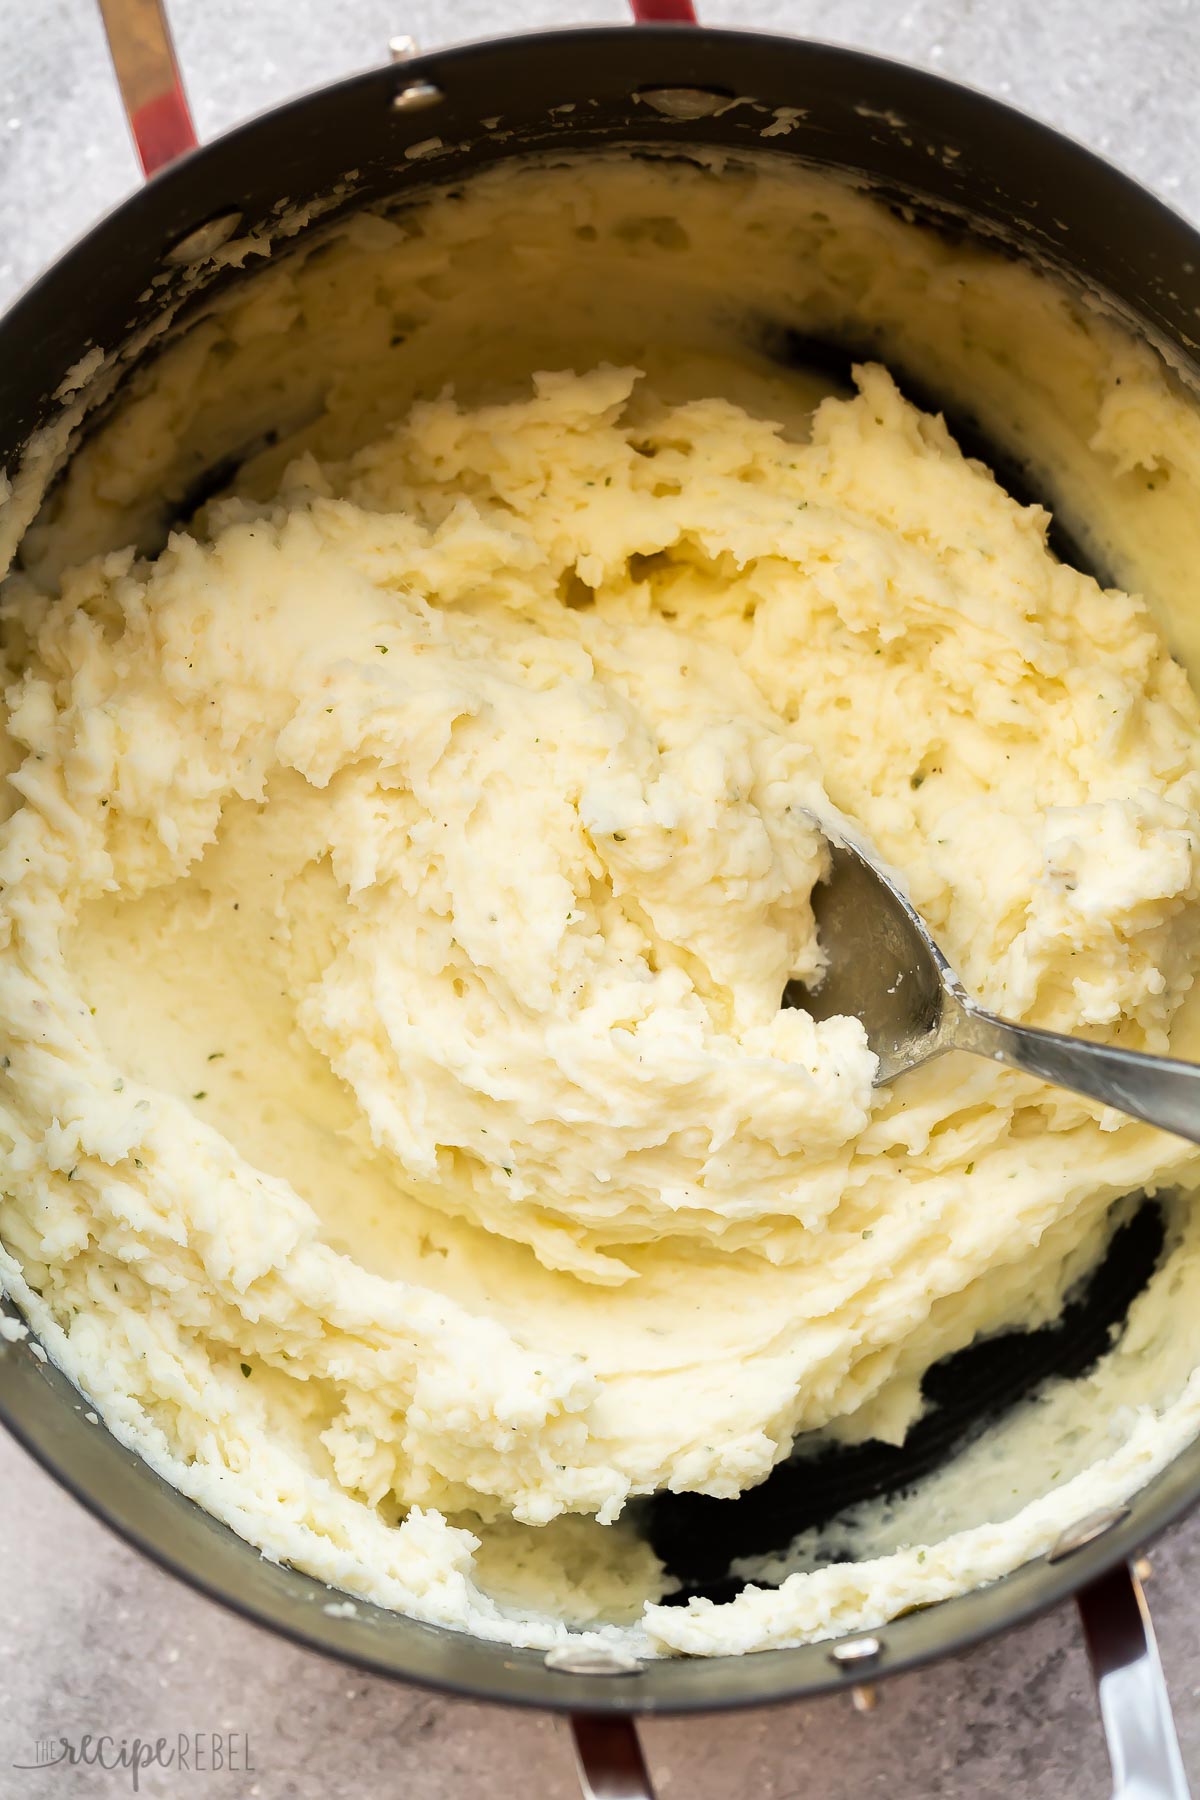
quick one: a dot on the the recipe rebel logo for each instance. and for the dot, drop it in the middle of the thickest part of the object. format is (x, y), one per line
(218, 1753)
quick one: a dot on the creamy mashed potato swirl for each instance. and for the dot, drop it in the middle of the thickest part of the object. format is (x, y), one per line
(405, 1145)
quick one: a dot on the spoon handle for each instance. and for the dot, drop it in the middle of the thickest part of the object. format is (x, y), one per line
(1156, 1089)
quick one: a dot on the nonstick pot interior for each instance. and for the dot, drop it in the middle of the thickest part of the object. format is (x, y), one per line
(937, 151)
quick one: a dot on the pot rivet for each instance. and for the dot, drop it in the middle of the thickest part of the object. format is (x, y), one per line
(416, 97)
(204, 239)
(1086, 1531)
(402, 47)
(864, 1696)
(683, 102)
(853, 1650)
(1143, 1568)
(597, 1659)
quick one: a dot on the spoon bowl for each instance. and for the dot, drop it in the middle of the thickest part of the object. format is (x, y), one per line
(885, 969)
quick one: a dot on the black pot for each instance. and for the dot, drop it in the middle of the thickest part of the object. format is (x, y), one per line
(1078, 214)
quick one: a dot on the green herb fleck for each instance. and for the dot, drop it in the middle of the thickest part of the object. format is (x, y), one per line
(247, 1371)
(382, 649)
(970, 1168)
(214, 1055)
(917, 780)
(618, 837)
(200, 1094)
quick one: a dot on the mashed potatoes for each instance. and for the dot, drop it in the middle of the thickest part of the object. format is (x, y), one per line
(405, 1147)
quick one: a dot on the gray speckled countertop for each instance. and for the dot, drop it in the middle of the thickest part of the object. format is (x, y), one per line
(91, 1638)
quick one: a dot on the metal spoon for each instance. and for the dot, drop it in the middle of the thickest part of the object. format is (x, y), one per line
(885, 969)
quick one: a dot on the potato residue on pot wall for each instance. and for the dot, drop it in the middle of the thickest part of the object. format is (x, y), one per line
(406, 1150)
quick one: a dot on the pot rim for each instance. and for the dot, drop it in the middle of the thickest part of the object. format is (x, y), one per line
(521, 1678)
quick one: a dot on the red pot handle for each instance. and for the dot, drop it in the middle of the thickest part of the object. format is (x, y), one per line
(139, 40)
(160, 120)
(663, 12)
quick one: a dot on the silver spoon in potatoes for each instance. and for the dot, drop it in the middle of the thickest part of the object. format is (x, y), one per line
(884, 969)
